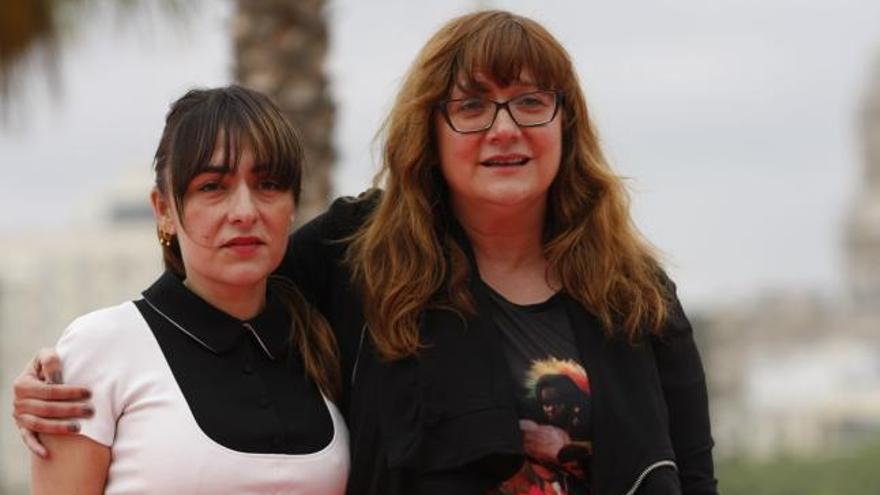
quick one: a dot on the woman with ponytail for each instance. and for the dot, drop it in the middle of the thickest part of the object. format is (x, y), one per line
(220, 378)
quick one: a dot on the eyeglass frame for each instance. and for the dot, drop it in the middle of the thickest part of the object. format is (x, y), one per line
(557, 100)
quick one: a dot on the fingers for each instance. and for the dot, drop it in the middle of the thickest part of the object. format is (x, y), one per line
(28, 385)
(33, 444)
(40, 425)
(48, 365)
(52, 409)
(37, 384)
(28, 388)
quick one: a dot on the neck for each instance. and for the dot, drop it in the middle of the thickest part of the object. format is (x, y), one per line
(242, 302)
(504, 236)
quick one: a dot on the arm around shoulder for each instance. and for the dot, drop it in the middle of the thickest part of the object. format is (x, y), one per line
(316, 249)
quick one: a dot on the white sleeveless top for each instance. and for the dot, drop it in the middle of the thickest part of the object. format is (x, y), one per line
(156, 445)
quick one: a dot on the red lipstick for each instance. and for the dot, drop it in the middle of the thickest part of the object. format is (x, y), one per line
(243, 245)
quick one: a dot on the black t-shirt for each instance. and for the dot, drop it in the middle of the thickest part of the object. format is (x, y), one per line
(553, 397)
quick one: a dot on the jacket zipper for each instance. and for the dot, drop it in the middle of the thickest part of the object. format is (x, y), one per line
(647, 471)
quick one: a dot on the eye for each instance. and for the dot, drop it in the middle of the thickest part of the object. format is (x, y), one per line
(209, 186)
(206, 182)
(270, 185)
(533, 101)
(469, 105)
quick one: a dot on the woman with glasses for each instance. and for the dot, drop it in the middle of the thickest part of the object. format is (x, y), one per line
(503, 327)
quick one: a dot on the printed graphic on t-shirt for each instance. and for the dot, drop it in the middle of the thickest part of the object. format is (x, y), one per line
(557, 439)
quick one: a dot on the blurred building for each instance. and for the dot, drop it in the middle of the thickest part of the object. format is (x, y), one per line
(49, 278)
(795, 372)
(863, 236)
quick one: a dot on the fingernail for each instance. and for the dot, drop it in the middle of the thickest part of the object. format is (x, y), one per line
(88, 411)
(86, 394)
(55, 377)
(73, 427)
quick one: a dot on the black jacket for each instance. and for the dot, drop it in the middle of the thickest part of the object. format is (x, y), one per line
(446, 422)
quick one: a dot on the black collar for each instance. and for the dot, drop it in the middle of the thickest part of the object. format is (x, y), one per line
(212, 328)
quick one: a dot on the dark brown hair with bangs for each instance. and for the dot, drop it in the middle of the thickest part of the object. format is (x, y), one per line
(404, 258)
(239, 119)
(236, 119)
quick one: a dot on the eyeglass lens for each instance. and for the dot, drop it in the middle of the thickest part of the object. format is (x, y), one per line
(477, 113)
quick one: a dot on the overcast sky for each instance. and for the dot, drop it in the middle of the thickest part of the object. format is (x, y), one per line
(736, 120)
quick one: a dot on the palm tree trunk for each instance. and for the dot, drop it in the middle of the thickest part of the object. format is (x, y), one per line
(280, 49)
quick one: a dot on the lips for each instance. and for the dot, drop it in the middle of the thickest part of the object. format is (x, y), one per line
(243, 246)
(505, 161)
(243, 242)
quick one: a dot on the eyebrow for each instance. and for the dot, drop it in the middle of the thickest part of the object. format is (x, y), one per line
(470, 88)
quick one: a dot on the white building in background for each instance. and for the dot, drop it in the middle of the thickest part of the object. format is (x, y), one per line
(820, 396)
(49, 278)
(794, 373)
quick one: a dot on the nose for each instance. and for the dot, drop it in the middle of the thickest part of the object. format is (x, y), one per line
(242, 208)
(504, 127)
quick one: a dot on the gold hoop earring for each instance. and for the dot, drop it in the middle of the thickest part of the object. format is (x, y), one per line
(164, 238)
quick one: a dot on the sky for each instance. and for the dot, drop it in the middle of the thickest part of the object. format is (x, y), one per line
(734, 121)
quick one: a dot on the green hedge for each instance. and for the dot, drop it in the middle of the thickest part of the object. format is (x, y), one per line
(853, 473)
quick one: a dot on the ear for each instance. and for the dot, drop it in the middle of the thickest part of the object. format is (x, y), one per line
(163, 211)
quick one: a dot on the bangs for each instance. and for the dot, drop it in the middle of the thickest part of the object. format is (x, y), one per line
(234, 122)
(506, 46)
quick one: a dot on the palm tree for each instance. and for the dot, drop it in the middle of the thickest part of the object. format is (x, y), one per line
(27, 31)
(280, 49)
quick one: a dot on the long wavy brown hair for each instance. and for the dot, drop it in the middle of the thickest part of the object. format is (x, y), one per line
(404, 257)
(238, 118)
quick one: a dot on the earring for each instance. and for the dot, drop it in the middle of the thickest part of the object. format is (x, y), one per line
(164, 238)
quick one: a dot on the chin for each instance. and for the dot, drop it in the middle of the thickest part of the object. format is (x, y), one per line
(511, 196)
(246, 276)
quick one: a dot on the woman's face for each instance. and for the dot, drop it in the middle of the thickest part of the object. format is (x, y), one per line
(505, 165)
(235, 223)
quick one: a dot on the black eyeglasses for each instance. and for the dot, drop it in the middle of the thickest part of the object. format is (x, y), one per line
(477, 114)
